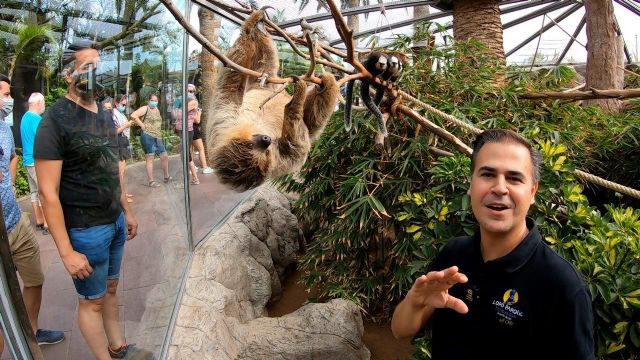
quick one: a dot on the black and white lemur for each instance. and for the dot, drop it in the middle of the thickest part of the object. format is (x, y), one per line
(386, 66)
(250, 144)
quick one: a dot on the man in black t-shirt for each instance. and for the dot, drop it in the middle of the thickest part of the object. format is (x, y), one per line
(89, 217)
(502, 293)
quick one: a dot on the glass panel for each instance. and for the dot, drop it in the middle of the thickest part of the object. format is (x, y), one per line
(140, 56)
(210, 200)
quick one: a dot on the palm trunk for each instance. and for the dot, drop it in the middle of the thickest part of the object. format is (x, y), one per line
(209, 26)
(604, 53)
(479, 20)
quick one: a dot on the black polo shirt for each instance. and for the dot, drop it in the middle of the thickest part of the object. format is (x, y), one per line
(529, 304)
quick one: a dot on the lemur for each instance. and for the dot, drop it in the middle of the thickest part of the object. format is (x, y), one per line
(387, 67)
(376, 64)
(250, 143)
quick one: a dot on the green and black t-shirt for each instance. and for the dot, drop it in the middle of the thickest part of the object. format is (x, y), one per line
(85, 142)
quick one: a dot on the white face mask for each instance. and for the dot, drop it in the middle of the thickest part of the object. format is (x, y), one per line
(7, 108)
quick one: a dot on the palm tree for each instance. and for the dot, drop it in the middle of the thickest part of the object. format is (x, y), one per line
(30, 39)
(603, 60)
(479, 20)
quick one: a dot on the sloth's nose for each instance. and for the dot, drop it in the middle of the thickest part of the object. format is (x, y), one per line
(262, 141)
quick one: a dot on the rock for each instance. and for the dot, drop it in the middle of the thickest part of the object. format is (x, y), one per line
(315, 331)
(232, 277)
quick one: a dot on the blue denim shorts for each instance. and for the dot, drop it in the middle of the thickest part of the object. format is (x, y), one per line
(103, 245)
(151, 145)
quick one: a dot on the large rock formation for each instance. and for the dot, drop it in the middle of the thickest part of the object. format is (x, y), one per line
(233, 276)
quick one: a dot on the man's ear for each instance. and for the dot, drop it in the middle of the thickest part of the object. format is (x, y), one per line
(66, 75)
(534, 191)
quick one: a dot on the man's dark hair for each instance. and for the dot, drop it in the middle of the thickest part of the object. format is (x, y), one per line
(4, 78)
(506, 136)
(69, 54)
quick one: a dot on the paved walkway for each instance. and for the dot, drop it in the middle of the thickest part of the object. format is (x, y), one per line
(153, 263)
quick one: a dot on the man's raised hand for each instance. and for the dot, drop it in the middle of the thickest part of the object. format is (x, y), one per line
(432, 290)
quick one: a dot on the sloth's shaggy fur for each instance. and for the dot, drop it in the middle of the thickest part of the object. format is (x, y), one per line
(241, 154)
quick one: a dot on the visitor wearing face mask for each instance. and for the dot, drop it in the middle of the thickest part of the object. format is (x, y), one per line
(123, 128)
(149, 118)
(84, 203)
(6, 107)
(23, 244)
(28, 126)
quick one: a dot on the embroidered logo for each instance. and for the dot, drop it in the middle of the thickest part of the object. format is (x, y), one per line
(510, 297)
(505, 309)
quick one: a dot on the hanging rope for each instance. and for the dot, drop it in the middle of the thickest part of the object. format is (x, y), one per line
(474, 130)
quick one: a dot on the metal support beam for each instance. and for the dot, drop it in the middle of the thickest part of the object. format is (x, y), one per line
(544, 29)
(629, 6)
(358, 11)
(556, 5)
(540, 12)
(237, 19)
(397, 25)
(572, 40)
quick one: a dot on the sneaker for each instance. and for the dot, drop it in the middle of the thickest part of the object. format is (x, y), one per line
(49, 337)
(207, 170)
(131, 352)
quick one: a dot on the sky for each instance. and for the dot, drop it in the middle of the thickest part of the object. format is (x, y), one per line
(551, 43)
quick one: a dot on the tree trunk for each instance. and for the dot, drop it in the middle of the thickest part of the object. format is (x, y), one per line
(353, 21)
(604, 51)
(209, 26)
(479, 20)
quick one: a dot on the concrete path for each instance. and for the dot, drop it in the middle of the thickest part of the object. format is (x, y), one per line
(153, 263)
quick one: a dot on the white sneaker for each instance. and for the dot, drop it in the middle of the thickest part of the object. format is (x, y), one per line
(207, 170)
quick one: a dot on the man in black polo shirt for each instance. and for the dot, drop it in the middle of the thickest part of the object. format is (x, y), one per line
(502, 293)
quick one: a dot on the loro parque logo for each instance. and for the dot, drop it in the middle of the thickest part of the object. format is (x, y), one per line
(510, 297)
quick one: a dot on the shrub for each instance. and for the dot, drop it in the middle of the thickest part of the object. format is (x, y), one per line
(379, 219)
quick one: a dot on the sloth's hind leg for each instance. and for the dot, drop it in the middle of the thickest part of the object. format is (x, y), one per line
(320, 104)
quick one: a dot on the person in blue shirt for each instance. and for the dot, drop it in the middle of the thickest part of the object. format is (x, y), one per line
(24, 246)
(28, 127)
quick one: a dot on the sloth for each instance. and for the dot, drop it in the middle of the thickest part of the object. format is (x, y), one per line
(251, 141)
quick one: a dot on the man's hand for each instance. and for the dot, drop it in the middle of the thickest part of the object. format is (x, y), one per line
(77, 265)
(132, 225)
(432, 290)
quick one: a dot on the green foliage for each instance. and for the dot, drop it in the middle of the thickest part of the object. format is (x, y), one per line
(54, 94)
(22, 184)
(379, 219)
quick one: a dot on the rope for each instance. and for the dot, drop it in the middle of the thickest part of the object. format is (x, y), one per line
(470, 128)
(606, 183)
(474, 130)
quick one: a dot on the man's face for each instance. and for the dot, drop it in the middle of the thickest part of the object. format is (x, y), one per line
(82, 75)
(502, 187)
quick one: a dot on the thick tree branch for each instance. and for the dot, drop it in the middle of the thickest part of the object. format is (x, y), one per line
(347, 36)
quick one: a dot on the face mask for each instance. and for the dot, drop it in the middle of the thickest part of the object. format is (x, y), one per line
(153, 104)
(191, 96)
(85, 83)
(121, 108)
(6, 109)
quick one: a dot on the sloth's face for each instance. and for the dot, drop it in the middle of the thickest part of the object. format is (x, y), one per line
(243, 163)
